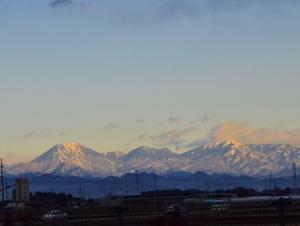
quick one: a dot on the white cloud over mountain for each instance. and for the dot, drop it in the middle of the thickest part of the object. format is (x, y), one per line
(245, 133)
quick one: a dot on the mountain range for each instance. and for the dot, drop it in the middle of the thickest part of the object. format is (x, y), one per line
(229, 157)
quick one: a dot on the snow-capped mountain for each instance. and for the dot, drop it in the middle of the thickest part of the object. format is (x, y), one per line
(147, 159)
(228, 157)
(113, 156)
(235, 158)
(68, 159)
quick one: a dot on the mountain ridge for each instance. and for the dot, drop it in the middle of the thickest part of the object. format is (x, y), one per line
(230, 157)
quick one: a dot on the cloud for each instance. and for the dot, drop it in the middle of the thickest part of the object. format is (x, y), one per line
(141, 137)
(148, 12)
(62, 134)
(30, 134)
(173, 9)
(82, 5)
(179, 7)
(59, 3)
(41, 133)
(245, 133)
(111, 126)
(207, 117)
(174, 119)
(172, 138)
(240, 131)
(194, 144)
(140, 120)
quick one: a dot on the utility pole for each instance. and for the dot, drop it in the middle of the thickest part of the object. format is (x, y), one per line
(155, 191)
(295, 185)
(127, 187)
(80, 193)
(137, 182)
(2, 181)
(275, 184)
(270, 181)
(6, 191)
(221, 187)
(207, 186)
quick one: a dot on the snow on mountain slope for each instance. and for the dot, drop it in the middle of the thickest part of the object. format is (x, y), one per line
(114, 156)
(148, 153)
(68, 159)
(233, 157)
(147, 159)
(228, 157)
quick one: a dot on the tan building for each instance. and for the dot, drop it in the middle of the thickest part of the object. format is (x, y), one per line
(21, 192)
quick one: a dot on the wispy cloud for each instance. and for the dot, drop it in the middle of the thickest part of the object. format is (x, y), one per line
(156, 11)
(60, 3)
(39, 133)
(179, 8)
(111, 126)
(175, 139)
(139, 121)
(206, 117)
(138, 140)
(174, 119)
(194, 144)
(61, 134)
(82, 5)
(30, 134)
(172, 138)
(245, 133)
(141, 137)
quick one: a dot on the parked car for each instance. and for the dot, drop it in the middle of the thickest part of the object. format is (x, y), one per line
(54, 215)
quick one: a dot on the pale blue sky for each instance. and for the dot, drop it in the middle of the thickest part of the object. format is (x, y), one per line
(86, 71)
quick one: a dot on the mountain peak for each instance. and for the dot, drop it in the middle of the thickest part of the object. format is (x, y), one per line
(232, 143)
(227, 156)
(145, 147)
(149, 153)
(66, 152)
(224, 144)
(69, 146)
(71, 159)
